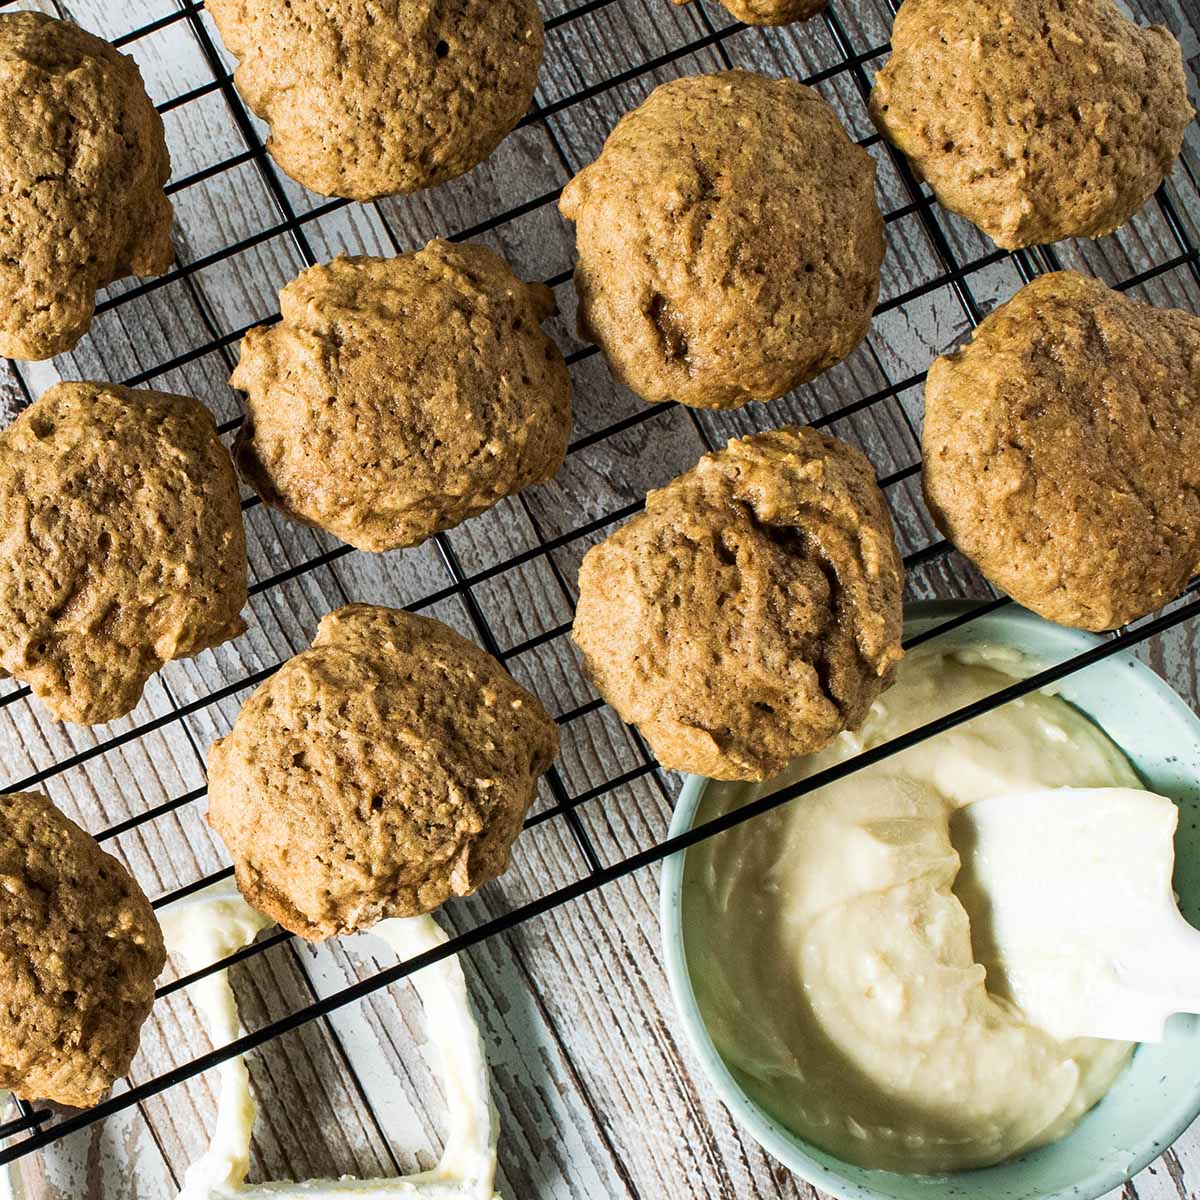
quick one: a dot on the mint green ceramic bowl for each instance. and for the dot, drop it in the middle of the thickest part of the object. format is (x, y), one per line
(1159, 1095)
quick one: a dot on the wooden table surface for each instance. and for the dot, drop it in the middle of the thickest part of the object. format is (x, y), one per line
(598, 1097)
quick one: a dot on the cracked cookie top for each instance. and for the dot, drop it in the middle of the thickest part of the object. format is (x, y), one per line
(400, 396)
(370, 100)
(1062, 451)
(123, 544)
(729, 241)
(752, 612)
(380, 772)
(770, 12)
(80, 949)
(81, 181)
(1037, 120)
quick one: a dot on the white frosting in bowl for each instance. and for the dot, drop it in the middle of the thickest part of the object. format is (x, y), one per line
(832, 960)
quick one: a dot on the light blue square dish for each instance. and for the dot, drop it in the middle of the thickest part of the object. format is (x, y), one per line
(1156, 1099)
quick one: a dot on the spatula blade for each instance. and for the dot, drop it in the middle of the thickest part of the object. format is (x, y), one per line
(1072, 909)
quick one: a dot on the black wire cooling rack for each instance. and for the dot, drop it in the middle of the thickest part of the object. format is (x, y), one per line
(39, 1126)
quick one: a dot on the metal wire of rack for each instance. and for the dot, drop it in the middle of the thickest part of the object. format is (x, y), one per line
(38, 1127)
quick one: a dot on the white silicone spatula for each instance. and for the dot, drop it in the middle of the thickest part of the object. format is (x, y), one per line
(1072, 910)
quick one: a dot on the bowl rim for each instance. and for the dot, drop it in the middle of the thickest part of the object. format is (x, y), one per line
(780, 1142)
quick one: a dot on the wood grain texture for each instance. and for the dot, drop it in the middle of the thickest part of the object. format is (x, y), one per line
(598, 1096)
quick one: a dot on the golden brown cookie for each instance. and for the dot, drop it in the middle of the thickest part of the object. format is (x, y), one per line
(380, 772)
(752, 612)
(1062, 451)
(123, 544)
(1035, 119)
(770, 12)
(367, 100)
(81, 181)
(729, 241)
(400, 396)
(80, 949)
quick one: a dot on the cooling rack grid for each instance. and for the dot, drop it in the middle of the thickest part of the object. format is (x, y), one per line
(507, 579)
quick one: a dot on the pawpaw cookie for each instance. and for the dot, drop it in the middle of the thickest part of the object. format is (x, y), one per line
(369, 100)
(729, 241)
(81, 181)
(123, 544)
(400, 396)
(80, 949)
(770, 12)
(753, 611)
(376, 774)
(1062, 451)
(1034, 119)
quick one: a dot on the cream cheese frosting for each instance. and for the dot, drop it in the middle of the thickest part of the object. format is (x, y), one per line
(215, 923)
(832, 958)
